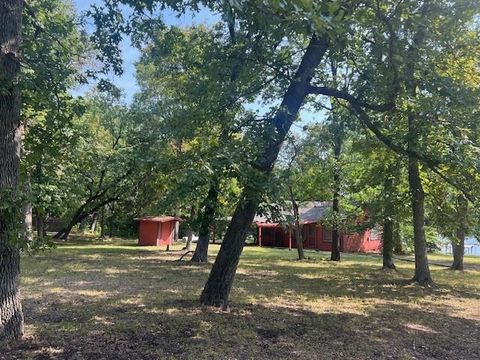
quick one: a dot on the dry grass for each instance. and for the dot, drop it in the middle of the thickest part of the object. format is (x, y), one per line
(119, 301)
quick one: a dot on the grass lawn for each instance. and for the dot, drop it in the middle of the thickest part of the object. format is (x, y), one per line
(119, 301)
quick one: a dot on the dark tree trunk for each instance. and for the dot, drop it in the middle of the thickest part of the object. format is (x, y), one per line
(219, 284)
(207, 218)
(458, 246)
(11, 315)
(81, 215)
(338, 133)
(422, 271)
(388, 224)
(40, 222)
(217, 289)
(297, 227)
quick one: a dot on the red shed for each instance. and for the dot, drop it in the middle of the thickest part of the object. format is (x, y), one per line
(314, 235)
(157, 230)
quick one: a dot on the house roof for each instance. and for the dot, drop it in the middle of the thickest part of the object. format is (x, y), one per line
(309, 211)
(159, 218)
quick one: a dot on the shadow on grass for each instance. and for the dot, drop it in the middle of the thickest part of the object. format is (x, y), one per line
(184, 330)
(123, 303)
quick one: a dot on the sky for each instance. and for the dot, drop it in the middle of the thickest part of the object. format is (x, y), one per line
(131, 55)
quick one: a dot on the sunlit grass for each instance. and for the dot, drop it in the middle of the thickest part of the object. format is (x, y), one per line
(115, 300)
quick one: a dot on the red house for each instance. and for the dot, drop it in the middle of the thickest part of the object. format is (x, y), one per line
(314, 235)
(157, 230)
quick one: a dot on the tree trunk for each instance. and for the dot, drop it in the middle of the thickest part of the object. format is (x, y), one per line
(458, 246)
(102, 222)
(206, 219)
(190, 229)
(217, 289)
(422, 271)
(11, 315)
(80, 215)
(388, 224)
(335, 255)
(297, 227)
(93, 227)
(40, 222)
(27, 209)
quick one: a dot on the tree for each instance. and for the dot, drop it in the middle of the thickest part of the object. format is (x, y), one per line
(11, 315)
(219, 283)
(54, 55)
(104, 158)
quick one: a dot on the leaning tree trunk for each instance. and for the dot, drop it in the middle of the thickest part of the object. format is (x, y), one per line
(458, 246)
(11, 315)
(388, 224)
(217, 289)
(207, 217)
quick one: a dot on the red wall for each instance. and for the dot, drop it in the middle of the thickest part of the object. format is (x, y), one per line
(166, 233)
(154, 233)
(147, 233)
(362, 242)
(314, 238)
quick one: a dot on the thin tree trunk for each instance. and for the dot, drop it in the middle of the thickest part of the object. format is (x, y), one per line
(40, 222)
(28, 213)
(217, 289)
(93, 227)
(11, 315)
(458, 246)
(206, 219)
(110, 227)
(338, 134)
(190, 229)
(102, 222)
(298, 228)
(388, 224)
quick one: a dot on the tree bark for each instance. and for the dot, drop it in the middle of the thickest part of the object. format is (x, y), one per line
(458, 246)
(388, 224)
(11, 315)
(93, 227)
(40, 222)
(206, 219)
(217, 289)
(422, 271)
(297, 227)
(335, 254)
